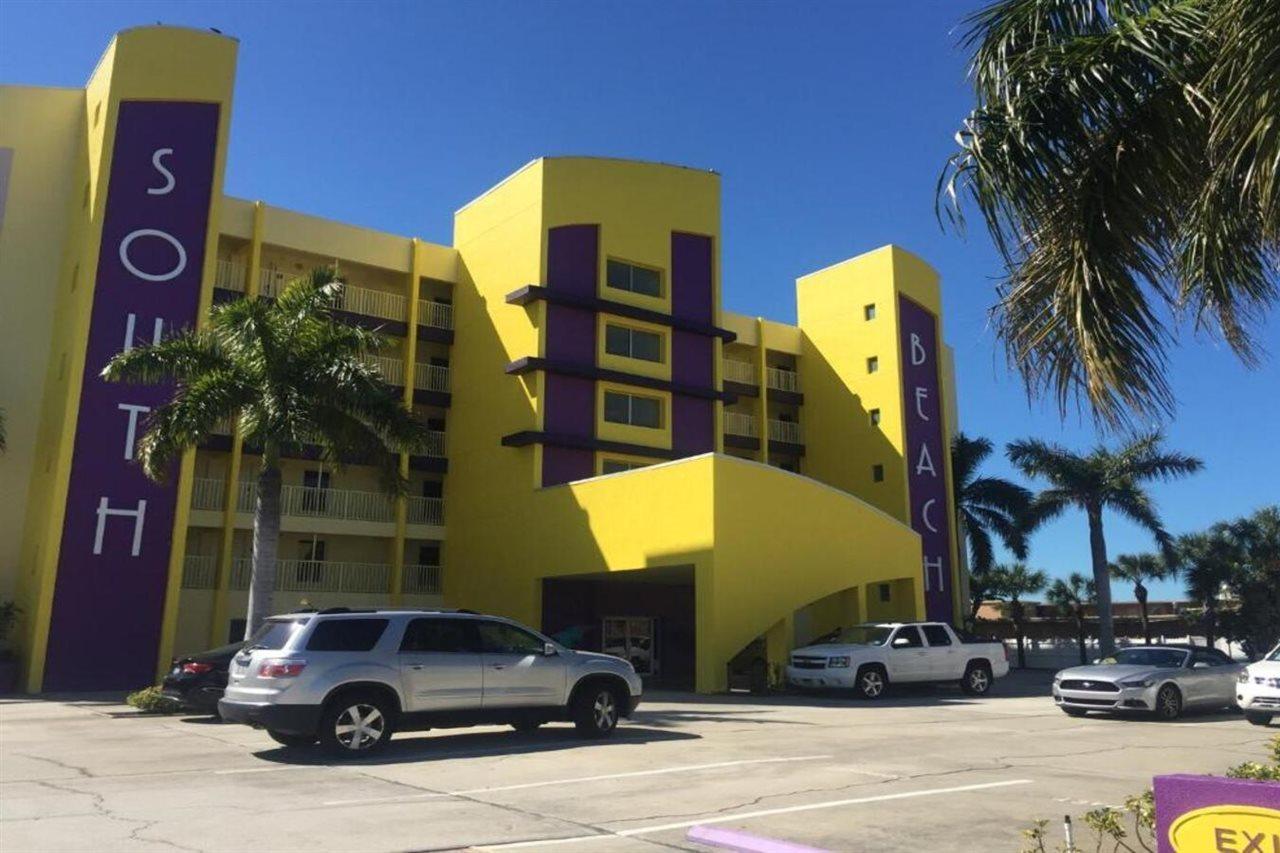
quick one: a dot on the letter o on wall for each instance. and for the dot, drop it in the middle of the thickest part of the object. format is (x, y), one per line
(153, 232)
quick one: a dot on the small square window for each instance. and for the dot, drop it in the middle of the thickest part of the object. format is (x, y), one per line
(624, 276)
(869, 311)
(875, 417)
(885, 592)
(873, 364)
(646, 412)
(877, 473)
(617, 408)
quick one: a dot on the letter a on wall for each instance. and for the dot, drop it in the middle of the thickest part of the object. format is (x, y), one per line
(113, 563)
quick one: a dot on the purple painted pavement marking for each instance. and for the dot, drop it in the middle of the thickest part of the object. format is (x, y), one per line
(731, 839)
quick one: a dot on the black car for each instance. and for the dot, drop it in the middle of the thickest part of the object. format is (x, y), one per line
(196, 682)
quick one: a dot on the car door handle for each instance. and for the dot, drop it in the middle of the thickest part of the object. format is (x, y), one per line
(498, 666)
(418, 666)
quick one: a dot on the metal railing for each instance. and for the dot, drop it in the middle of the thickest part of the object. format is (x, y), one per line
(392, 369)
(430, 377)
(422, 580)
(435, 444)
(304, 502)
(229, 275)
(424, 511)
(784, 380)
(739, 423)
(437, 314)
(373, 303)
(208, 494)
(199, 571)
(787, 432)
(742, 372)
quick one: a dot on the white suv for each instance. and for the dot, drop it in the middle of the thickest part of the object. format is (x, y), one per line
(350, 678)
(1258, 689)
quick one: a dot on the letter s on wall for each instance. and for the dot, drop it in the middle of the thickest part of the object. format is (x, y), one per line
(170, 181)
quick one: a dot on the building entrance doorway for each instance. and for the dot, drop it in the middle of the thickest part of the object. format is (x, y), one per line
(632, 638)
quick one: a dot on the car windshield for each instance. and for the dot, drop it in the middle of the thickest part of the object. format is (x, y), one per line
(1162, 658)
(274, 633)
(1275, 654)
(858, 635)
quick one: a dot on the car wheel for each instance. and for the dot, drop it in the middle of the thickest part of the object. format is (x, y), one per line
(287, 739)
(1074, 712)
(596, 710)
(355, 724)
(977, 679)
(871, 682)
(1256, 718)
(1169, 703)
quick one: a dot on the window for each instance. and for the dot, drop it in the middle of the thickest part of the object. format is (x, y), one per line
(936, 635)
(617, 466)
(315, 485)
(274, 633)
(346, 635)
(908, 637)
(622, 408)
(877, 473)
(886, 592)
(875, 417)
(441, 636)
(503, 639)
(873, 364)
(432, 489)
(1201, 658)
(869, 311)
(642, 280)
(632, 343)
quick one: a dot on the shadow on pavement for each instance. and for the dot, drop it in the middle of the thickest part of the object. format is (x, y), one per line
(417, 747)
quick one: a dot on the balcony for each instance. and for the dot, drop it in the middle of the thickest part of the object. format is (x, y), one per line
(740, 372)
(435, 315)
(785, 432)
(336, 504)
(739, 423)
(783, 380)
(426, 377)
(229, 275)
(200, 572)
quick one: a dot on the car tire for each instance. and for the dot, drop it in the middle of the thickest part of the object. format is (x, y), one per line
(977, 678)
(871, 682)
(595, 709)
(1256, 718)
(291, 740)
(1074, 712)
(355, 724)
(1168, 703)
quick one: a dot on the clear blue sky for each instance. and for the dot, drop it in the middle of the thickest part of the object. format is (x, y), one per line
(828, 122)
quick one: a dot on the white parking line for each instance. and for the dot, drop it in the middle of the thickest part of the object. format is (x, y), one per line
(733, 818)
(687, 768)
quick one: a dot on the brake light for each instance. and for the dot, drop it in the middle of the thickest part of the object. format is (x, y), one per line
(281, 668)
(194, 667)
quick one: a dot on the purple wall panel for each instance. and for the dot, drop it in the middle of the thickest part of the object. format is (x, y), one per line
(692, 425)
(692, 359)
(571, 334)
(571, 406)
(565, 464)
(926, 462)
(573, 259)
(114, 560)
(692, 274)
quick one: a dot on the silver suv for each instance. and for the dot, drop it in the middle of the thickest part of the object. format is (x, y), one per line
(350, 678)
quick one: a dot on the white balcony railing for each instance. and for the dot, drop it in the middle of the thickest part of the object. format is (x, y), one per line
(787, 432)
(784, 380)
(431, 377)
(199, 571)
(740, 423)
(304, 502)
(435, 444)
(436, 314)
(230, 275)
(318, 576)
(373, 303)
(392, 369)
(422, 580)
(742, 372)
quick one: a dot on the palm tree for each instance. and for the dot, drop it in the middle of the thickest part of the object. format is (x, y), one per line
(1256, 581)
(1137, 569)
(985, 505)
(295, 378)
(1208, 561)
(1010, 583)
(1071, 596)
(1125, 160)
(1100, 480)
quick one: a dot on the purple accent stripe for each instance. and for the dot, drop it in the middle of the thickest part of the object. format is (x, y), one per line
(113, 566)
(731, 839)
(692, 277)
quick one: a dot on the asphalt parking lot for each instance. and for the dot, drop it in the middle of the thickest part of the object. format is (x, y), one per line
(928, 769)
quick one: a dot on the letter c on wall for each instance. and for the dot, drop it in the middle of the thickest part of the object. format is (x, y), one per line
(153, 232)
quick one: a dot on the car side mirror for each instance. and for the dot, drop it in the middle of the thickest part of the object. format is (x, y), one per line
(1199, 665)
(549, 650)
(899, 642)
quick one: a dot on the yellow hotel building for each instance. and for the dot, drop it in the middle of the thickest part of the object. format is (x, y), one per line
(618, 460)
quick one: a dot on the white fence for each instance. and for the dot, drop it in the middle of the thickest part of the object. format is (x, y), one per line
(784, 380)
(436, 314)
(304, 502)
(740, 423)
(742, 372)
(787, 432)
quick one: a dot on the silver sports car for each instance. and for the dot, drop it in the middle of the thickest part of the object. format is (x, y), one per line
(1163, 679)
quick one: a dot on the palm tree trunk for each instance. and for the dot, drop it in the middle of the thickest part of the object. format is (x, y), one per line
(1102, 582)
(1081, 638)
(266, 540)
(1016, 611)
(1140, 593)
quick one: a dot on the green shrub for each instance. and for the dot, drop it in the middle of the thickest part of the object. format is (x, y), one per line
(152, 701)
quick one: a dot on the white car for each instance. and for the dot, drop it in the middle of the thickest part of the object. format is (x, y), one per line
(867, 658)
(1258, 689)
